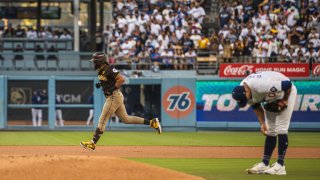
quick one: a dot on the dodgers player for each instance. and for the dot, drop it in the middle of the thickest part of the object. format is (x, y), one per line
(38, 97)
(267, 87)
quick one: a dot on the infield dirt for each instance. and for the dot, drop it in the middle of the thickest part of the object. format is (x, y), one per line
(107, 162)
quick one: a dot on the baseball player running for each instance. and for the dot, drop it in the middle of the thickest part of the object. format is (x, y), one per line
(272, 97)
(110, 81)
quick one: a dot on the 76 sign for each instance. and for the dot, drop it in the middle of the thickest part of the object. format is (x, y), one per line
(178, 102)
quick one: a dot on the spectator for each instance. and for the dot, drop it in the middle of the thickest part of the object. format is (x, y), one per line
(298, 56)
(224, 15)
(18, 54)
(167, 58)
(20, 32)
(155, 59)
(65, 34)
(49, 33)
(292, 16)
(255, 52)
(9, 32)
(31, 33)
(42, 33)
(195, 38)
(191, 57)
(238, 50)
(204, 44)
(263, 52)
(247, 50)
(144, 60)
(52, 54)
(39, 55)
(227, 50)
(197, 12)
(179, 59)
(295, 35)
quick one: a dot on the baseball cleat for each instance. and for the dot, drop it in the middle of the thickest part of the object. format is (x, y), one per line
(154, 123)
(258, 168)
(88, 145)
(276, 169)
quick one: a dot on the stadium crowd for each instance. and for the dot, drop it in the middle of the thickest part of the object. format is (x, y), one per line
(158, 32)
(268, 31)
(31, 33)
(170, 33)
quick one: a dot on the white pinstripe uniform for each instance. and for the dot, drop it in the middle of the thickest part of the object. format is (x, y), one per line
(266, 87)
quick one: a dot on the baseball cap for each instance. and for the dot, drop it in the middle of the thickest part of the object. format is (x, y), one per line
(239, 94)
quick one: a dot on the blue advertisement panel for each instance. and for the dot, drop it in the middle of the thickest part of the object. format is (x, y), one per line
(215, 103)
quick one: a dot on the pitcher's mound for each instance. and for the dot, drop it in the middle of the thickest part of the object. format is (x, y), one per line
(81, 167)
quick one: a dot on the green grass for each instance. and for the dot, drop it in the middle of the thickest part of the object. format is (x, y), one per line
(214, 138)
(302, 169)
(207, 168)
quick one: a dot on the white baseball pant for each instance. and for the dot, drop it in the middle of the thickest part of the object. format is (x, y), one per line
(278, 123)
(36, 116)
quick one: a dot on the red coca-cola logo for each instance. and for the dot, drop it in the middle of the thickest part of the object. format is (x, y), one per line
(238, 71)
(316, 70)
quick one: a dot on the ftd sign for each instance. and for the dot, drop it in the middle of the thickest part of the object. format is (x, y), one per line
(178, 101)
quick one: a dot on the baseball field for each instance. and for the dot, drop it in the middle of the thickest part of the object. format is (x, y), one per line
(147, 155)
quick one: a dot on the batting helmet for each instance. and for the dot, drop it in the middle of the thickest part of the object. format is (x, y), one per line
(99, 58)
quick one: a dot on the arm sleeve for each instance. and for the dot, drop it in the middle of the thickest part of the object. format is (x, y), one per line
(255, 106)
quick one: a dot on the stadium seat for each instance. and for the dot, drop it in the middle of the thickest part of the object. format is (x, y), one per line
(7, 63)
(7, 45)
(61, 45)
(69, 45)
(68, 60)
(30, 45)
(74, 63)
(207, 65)
(18, 60)
(85, 63)
(29, 60)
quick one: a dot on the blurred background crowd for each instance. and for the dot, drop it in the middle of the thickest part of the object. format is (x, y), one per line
(171, 33)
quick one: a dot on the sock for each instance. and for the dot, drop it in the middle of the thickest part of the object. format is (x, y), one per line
(146, 122)
(269, 145)
(96, 135)
(282, 147)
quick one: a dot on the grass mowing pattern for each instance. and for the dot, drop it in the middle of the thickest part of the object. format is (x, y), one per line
(214, 138)
(300, 169)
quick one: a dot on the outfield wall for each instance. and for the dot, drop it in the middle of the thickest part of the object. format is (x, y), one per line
(216, 108)
(182, 103)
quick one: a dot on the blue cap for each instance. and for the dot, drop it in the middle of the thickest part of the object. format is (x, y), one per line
(239, 94)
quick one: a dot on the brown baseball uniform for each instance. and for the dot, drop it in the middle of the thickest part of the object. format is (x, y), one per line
(114, 100)
(110, 82)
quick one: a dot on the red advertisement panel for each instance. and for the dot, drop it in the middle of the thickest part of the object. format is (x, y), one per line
(316, 69)
(242, 70)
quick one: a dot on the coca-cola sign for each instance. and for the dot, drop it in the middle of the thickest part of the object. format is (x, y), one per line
(238, 71)
(242, 70)
(316, 69)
